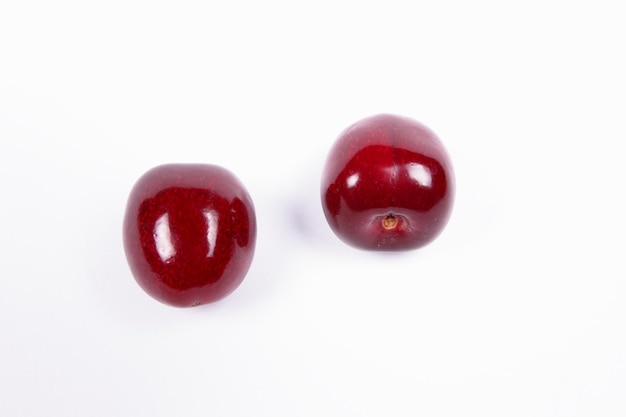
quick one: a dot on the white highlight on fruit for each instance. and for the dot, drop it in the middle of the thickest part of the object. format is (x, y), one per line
(212, 217)
(352, 180)
(421, 174)
(163, 238)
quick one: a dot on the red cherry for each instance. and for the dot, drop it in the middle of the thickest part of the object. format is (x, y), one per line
(189, 233)
(387, 184)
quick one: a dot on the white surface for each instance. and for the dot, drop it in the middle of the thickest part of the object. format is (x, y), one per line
(518, 309)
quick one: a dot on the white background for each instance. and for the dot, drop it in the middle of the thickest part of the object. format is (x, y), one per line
(517, 309)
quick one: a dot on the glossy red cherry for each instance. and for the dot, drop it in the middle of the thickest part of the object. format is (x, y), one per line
(387, 184)
(189, 233)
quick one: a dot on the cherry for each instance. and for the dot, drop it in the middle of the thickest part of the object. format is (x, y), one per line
(189, 233)
(387, 184)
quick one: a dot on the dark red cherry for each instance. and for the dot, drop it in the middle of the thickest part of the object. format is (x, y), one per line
(189, 233)
(387, 184)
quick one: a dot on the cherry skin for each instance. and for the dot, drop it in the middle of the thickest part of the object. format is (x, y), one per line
(387, 184)
(189, 233)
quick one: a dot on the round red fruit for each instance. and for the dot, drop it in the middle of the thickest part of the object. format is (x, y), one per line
(387, 184)
(189, 233)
